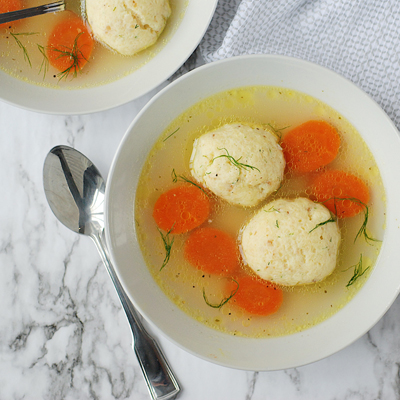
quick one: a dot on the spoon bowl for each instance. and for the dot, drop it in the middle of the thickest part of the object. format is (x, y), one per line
(75, 191)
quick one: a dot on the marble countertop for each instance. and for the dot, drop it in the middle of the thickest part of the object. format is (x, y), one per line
(63, 334)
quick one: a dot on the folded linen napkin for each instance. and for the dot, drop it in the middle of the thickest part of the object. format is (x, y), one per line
(358, 39)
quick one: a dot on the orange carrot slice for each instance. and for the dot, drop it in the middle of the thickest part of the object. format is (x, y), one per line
(181, 209)
(332, 186)
(310, 146)
(257, 296)
(8, 6)
(213, 251)
(70, 45)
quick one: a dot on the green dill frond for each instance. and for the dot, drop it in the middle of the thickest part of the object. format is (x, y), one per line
(167, 246)
(279, 188)
(332, 219)
(75, 54)
(363, 229)
(21, 46)
(278, 131)
(358, 271)
(272, 209)
(223, 301)
(173, 133)
(45, 61)
(234, 161)
(182, 178)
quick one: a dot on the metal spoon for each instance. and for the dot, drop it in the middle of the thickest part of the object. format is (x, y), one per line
(31, 12)
(75, 191)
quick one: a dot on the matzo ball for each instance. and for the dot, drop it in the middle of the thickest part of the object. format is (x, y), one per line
(127, 26)
(238, 163)
(290, 242)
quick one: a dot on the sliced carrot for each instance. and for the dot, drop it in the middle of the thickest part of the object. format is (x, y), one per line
(310, 146)
(8, 6)
(70, 45)
(213, 251)
(256, 296)
(332, 186)
(181, 209)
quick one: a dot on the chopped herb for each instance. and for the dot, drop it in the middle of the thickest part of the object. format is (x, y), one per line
(234, 161)
(272, 209)
(277, 223)
(75, 54)
(332, 219)
(167, 245)
(45, 62)
(278, 132)
(363, 229)
(358, 271)
(279, 188)
(183, 178)
(223, 301)
(21, 46)
(173, 133)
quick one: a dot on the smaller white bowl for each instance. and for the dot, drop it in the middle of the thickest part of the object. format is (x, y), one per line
(195, 21)
(320, 341)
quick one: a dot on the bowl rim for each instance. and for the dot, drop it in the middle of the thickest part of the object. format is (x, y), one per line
(152, 74)
(388, 251)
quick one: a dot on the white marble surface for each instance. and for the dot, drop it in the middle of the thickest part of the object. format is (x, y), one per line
(63, 334)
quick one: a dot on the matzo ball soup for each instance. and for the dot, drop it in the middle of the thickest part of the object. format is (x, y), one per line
(25, 44)
(212, 298)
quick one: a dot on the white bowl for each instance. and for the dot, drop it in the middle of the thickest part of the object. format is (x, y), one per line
(197, 16)
(320, 341)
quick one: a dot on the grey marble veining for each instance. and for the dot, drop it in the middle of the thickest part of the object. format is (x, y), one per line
(63, 334)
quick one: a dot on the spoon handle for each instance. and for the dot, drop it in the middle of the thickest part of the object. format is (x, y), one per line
(159, 377)
(31, 12)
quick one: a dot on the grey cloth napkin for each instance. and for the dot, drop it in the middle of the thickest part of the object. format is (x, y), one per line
(358, 39)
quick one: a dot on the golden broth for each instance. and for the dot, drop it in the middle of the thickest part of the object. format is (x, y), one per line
(104, 66)
(303, 306)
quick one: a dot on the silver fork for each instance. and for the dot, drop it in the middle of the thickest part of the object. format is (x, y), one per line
(33, 11)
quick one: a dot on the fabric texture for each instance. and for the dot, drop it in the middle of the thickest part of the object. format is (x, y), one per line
(359, 39)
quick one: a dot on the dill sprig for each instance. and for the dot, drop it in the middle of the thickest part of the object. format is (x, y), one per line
(332, 219)
(45, 62)
(21, 46)
(235, 161)
(278, 131)
(223, 301)
(358, 271)
(272, 209)
(279, 188)
(75, 54)
(167, 245)
(173, 133)
(363, 228)
(176, 178)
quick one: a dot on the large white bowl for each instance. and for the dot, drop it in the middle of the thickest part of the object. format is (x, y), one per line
(357, 317)
(195, 21)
